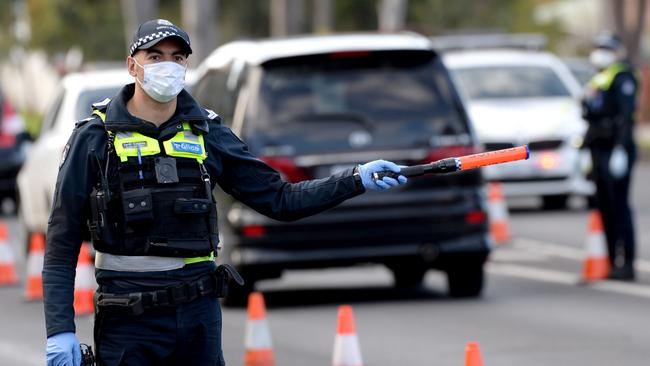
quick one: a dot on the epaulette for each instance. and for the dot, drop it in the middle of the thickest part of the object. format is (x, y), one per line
(213, 116)
(101, 105)
(78, 124)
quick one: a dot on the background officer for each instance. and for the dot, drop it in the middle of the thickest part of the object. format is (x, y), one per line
(140, 173)
(609, 107)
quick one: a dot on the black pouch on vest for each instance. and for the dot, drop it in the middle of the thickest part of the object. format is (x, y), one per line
(185, 206)
(137, 205)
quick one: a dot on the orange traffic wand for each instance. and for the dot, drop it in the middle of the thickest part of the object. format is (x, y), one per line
(467, 162)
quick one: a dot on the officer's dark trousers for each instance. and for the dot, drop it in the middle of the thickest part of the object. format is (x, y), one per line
(612, 199)
(187, 335)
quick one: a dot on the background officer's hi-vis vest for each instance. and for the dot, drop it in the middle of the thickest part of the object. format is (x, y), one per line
(161, 204)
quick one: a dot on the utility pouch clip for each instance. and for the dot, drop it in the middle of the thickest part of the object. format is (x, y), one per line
(223, 274)
(121, 304)
(192, 206)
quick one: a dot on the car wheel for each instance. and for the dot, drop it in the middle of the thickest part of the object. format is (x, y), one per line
(408, 277)
(237, 295)
(555, 202)
(466, 281)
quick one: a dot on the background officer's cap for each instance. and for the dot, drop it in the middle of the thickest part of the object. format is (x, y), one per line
(608, 41)
(153, 31)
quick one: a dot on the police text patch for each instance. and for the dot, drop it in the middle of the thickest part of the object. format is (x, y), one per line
(187, 147)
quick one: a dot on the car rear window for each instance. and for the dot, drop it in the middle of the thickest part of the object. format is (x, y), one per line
(401, 98)
(501, 82)
(88, 97)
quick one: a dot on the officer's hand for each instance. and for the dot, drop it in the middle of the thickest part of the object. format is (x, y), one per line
(366, 171)
(63, 350)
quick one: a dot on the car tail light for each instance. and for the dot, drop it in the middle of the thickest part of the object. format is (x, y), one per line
(548, 161)
(287, 168)
(455, 151)
(7, 140)
(254, 231)
(475, 217)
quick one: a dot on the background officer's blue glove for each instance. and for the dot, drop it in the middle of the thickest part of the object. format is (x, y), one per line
(63, 350)
(366, 171)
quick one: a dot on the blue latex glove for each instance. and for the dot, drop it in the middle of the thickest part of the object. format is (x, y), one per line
(63, 350)
(366, 171)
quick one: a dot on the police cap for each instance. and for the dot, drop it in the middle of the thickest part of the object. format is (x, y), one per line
(153, 31)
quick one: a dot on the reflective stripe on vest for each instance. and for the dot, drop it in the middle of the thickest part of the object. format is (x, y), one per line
(128, 143)
(603, 80)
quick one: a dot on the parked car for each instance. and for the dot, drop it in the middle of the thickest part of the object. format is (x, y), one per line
(581, 68)
(525, 96)
(311, 106)
(72, 102)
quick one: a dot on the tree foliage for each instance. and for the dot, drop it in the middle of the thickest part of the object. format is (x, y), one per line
(97, 27)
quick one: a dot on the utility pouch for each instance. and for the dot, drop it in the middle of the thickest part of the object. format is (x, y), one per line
(223, 274)
(184, 206)
(137, 205)
(120, 304)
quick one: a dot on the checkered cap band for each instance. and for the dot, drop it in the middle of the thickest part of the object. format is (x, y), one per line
(150, 37)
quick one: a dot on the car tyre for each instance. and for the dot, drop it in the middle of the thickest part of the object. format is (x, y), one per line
(408, 276)
(555, 202)
(466, 281)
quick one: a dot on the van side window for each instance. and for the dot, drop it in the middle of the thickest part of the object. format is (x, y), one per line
(212, 93)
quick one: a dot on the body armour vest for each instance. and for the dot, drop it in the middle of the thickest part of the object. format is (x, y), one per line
(161, 203)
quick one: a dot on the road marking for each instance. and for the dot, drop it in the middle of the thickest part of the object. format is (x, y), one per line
(566, 278)
(15, 354)
(563, 251)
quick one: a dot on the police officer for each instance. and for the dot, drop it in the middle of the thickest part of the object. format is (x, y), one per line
(609, 107)
(139, 173)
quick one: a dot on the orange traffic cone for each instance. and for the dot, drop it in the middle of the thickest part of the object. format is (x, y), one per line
(346, 345)
(259, 350)
(7, 263)
(473, 355)
(498, 215)
(84, 283)
(596, 265)
(34, 289)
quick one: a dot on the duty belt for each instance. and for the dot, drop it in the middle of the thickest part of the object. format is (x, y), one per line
(135, 303)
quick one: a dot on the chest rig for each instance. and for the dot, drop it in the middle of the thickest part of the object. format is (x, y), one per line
(159, 199)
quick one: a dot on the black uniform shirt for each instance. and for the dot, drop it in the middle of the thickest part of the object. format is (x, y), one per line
(229, 164)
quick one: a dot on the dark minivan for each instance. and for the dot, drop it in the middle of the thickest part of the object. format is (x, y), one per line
(311, 106)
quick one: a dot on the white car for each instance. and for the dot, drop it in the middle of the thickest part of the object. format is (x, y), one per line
(517, 97)
(72, 103)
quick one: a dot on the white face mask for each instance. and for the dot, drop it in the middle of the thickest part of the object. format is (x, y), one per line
(162, 81)
(602, 58)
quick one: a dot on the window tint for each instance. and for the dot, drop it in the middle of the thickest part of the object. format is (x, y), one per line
(53, 111)
(87, 98)
(399, 96)
(510, 82)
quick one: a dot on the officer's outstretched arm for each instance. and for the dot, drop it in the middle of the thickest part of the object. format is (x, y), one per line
(259, 186)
